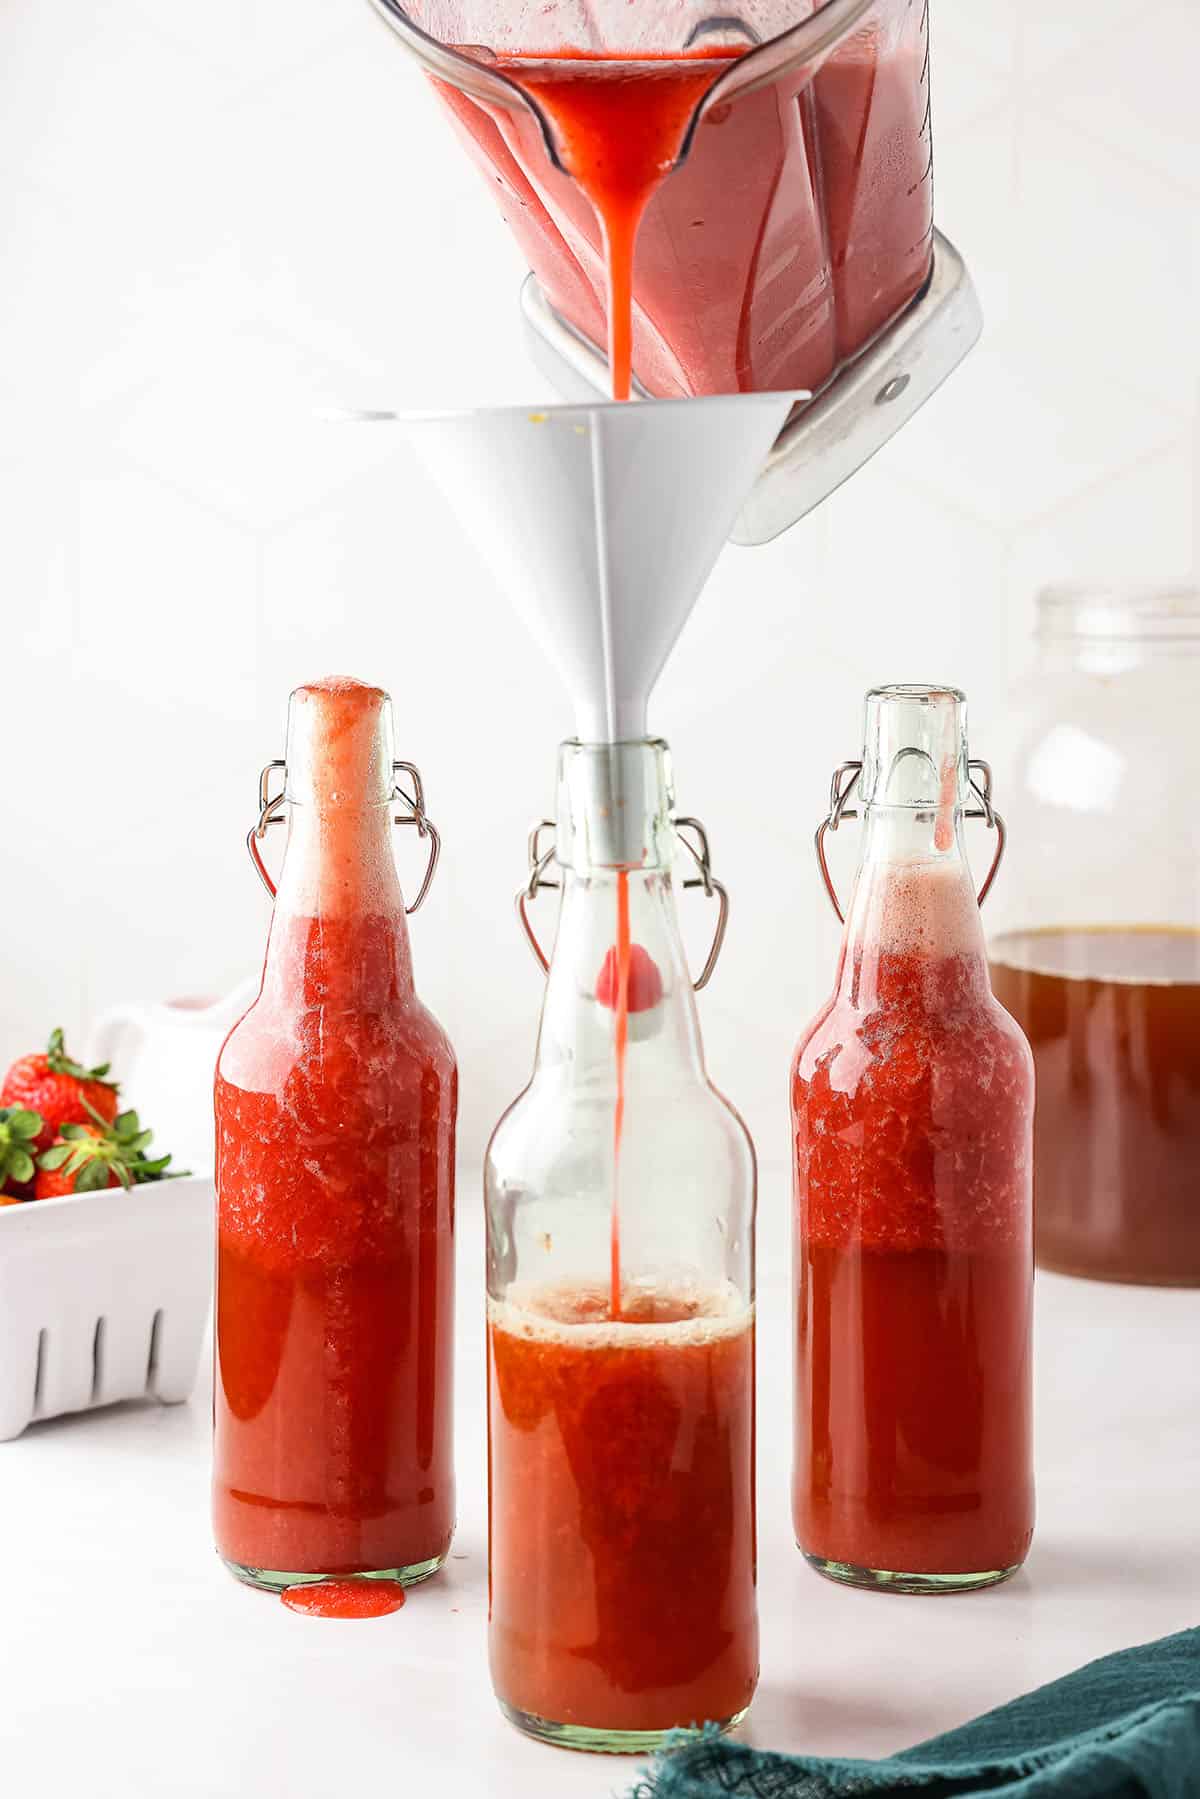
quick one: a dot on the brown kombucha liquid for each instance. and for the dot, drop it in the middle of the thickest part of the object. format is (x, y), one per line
(1113, 1017)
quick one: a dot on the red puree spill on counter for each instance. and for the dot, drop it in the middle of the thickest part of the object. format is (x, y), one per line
(345, 1598)
(335, 1110)
(912, 1416)
(635, 1440)
(798, 227)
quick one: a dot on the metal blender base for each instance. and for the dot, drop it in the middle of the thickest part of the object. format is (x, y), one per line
(840, 429)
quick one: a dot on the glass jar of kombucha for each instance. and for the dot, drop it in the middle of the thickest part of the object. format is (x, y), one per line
(1100, 957)
(620, 1264)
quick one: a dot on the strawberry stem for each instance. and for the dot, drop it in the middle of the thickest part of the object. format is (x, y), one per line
(59, 1062)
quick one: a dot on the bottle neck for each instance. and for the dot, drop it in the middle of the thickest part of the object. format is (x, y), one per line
(619, 928)
(339, 933)
(913, 927)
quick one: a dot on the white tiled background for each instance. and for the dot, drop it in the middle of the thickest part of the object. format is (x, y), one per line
(215, 219)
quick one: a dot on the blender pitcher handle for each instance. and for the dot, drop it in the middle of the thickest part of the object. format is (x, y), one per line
(845, 780)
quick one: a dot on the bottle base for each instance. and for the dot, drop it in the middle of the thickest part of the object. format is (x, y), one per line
(886, 1580)
(274, 1580)
(599, 1741)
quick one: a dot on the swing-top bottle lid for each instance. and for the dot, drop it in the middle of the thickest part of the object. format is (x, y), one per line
(915, 747)
(340, 744)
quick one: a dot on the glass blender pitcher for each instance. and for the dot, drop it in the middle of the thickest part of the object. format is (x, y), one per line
(772, 160)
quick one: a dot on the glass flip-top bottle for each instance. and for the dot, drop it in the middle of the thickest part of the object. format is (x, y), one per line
(912, 1106)
(335, 1111)
(620, 1213)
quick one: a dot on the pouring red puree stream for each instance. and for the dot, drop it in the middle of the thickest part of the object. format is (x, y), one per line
(629, 981)
(620, 123)
(621, 1038)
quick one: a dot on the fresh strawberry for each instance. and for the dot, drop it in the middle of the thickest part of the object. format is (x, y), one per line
(20, 1131)
(86, 1157)
(79, 1162)
(60, 1090)
(644, 988)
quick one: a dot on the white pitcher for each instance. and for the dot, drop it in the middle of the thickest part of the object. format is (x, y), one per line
(164, 1057)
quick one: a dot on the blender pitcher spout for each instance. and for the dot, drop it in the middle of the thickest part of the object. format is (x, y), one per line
(460, 42)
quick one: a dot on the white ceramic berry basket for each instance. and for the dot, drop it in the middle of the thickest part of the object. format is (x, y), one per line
(103, 1296)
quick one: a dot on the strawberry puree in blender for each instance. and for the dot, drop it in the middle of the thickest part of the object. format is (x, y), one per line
(335, 1102)
(798, 227)
(620, 127)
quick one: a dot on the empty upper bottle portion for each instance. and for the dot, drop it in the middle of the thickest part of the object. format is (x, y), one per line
(914, 894)
(915, 748)
(339, 786)
(339, 744)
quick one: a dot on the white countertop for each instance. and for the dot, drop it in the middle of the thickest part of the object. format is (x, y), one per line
(131, 1664)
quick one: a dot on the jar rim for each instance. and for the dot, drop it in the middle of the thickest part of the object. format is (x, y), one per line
(1081, 610)
(925, 693)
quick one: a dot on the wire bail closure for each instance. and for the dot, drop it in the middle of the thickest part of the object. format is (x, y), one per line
(540, 860)
(270, 812)
(841, 788)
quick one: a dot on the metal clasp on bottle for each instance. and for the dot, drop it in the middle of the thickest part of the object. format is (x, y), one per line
(845, 780)
(540, 860)
(270, 812)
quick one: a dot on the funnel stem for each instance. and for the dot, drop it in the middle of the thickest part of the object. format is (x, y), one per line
(600, 516)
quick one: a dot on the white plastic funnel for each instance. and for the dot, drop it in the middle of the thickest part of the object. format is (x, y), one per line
(602, 523)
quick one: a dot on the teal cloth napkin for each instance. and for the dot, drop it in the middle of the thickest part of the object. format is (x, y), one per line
(1126, 1727)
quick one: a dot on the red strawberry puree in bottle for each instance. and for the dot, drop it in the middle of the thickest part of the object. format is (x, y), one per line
(912, 1100)
(798, 227)
(631, 1443)
(335, 1105)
